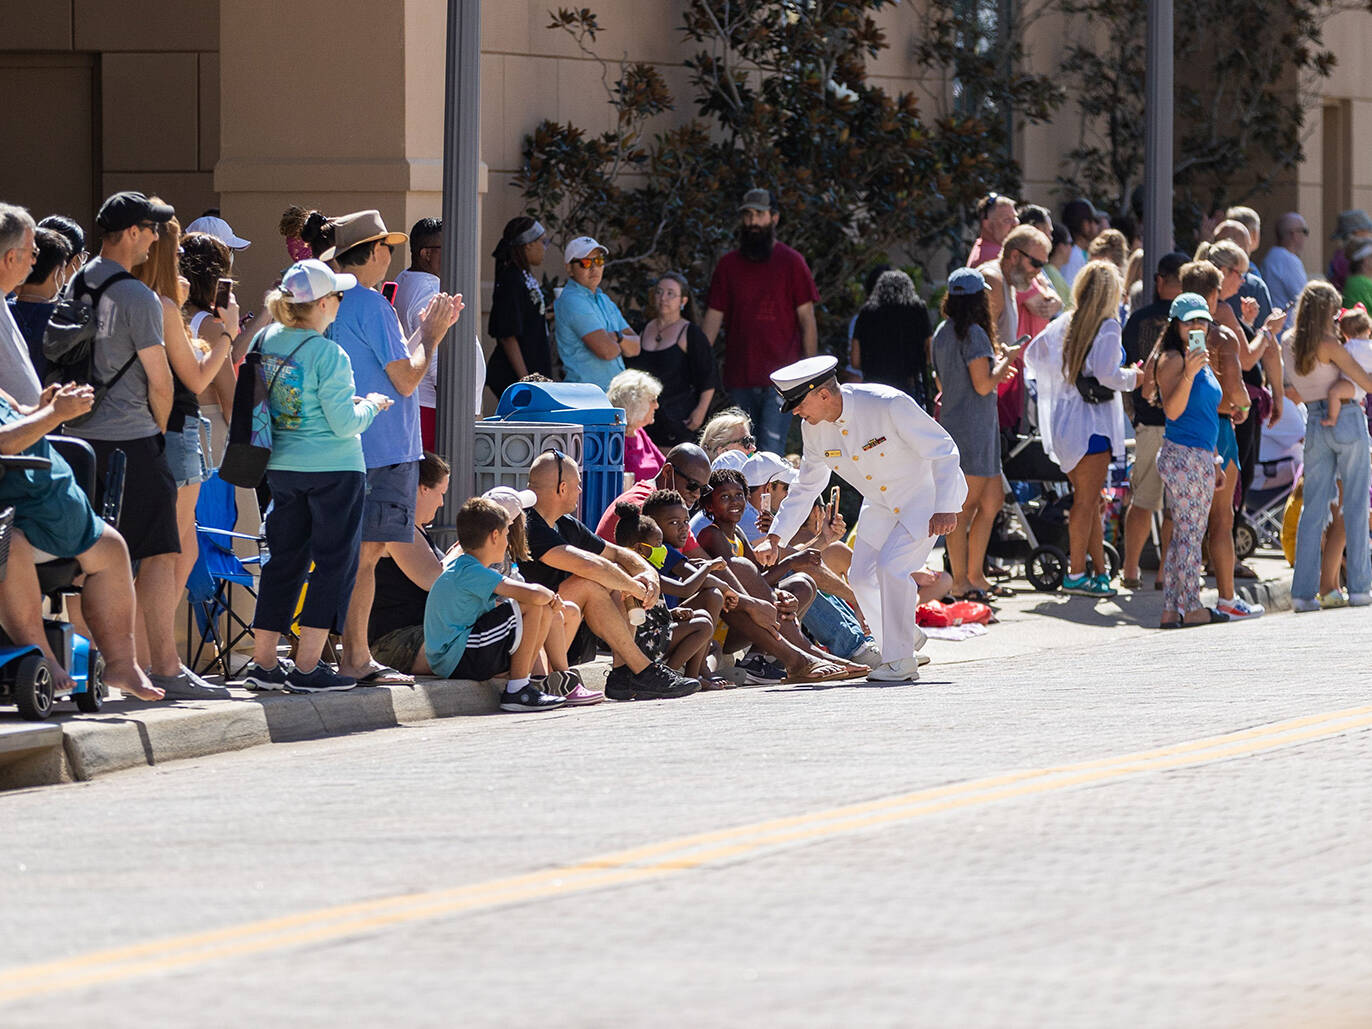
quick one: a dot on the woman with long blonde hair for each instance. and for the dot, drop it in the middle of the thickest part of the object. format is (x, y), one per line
(1076, 364)
(193, 369)
(1334, 456)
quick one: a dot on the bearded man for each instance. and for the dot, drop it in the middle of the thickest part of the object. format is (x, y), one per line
(1023, 256)
(764, 297)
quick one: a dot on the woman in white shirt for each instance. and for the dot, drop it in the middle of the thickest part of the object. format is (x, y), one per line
(1075, 362)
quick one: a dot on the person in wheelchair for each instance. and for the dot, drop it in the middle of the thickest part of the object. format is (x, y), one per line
(54, 520)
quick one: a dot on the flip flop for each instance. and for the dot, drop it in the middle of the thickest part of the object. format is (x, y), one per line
(811, 673)
(979, 596)
(1001, 591)
(384, 676)
(709, 684)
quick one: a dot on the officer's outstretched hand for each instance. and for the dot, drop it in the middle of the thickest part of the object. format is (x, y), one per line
(940, 524)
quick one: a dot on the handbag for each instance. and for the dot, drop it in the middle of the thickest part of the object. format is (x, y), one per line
(249, 447)
(1093, 391)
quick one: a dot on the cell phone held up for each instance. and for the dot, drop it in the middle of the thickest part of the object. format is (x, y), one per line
(1195, 341)
(223, 289)
(765, 501)
(833, 504)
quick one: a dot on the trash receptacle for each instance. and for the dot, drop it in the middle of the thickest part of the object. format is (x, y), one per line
(602, 433)
(503, 451)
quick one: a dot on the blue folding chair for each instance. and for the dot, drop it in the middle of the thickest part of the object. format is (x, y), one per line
(217, 570)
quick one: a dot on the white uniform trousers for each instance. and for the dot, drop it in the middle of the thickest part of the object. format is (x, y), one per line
(880, 578)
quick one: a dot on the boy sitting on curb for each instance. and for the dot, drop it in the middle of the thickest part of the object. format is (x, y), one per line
(478, 623)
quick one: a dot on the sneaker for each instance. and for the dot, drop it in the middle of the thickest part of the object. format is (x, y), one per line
(656, 682)
(320, 679)
(1240, 610)
(1334, 598)
(559, 683)
(759, 671)
(1359, 599)
(1303, 604)
(266, 680)
(619, 684)
(1097, 586)
(186, 685)
(530, 698)
(867, 653)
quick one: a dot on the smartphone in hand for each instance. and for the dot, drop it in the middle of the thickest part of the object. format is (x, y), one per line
(388, 291)
(833, 504)
(222, 291)
(1195, 340)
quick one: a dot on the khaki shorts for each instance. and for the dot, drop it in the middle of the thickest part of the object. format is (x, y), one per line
(1145, 484)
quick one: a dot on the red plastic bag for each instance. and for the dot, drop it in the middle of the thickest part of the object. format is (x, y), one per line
(936, 615)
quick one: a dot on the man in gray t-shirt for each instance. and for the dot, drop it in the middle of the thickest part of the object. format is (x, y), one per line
(130, 320)
(131, 417)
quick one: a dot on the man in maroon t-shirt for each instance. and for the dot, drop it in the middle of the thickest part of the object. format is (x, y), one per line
(764, 296)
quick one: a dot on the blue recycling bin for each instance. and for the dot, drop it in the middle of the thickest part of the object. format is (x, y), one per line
(602, 433)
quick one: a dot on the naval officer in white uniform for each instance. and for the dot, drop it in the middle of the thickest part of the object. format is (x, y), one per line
(906, 468)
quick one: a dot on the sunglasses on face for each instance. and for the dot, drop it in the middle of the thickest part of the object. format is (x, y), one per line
(1033, 261)
(591, 262)
(154, 227)
(742, 441)
(682, 479)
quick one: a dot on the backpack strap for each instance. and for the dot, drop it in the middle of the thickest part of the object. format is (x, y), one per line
(95, 293)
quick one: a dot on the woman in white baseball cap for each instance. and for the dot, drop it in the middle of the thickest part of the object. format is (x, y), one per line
(317, 478)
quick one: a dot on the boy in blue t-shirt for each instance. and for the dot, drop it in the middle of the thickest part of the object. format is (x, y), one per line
(478, 623)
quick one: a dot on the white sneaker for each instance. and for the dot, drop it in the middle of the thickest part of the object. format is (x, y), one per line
(905, 669)
(920, 638)
(1301, 604)
(923, 659)
(1239, 609)
(868, 654)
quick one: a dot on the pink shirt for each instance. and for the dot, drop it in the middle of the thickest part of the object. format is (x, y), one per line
(641, 457)
(983, 250)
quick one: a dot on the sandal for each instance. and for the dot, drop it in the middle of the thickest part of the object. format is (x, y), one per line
(1001, 591)
(384, 676)
(819, 671)
(711, 683)
(1131, 583)
(979, 596)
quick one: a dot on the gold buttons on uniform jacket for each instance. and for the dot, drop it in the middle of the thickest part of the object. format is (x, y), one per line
(883, 489)
(855, 457)
(896, 510)
(845, 432)
(869, 477)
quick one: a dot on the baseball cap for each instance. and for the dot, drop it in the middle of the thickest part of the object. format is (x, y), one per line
(123, 210)
(220, 230)
(756, 200)
(734, 459)
(306, 281)
(765, 467)
(1189, 307)
(967, 282)
(582, 246)
(511, 499)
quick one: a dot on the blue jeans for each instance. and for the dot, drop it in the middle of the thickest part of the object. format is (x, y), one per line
(770, 422)
(1333, 454)
(833, 625)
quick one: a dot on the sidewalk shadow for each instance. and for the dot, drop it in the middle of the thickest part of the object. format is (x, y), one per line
(1124, 609)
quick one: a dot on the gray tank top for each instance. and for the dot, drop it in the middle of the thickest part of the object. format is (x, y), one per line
(1007, 325)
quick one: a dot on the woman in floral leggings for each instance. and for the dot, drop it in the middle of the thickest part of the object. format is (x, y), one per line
(1190, 396)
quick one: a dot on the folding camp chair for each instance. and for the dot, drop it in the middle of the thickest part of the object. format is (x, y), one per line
(217, 570)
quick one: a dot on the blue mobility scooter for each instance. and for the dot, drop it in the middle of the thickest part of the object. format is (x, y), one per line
(26, 680)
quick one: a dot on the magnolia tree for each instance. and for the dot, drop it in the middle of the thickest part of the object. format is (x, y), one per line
(781, 100)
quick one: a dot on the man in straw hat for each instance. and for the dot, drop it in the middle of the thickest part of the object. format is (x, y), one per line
(906, 468)
(369, 332)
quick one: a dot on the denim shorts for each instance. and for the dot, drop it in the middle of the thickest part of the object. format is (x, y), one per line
(186, 453)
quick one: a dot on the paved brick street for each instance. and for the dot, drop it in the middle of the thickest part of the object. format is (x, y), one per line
(1222, 884)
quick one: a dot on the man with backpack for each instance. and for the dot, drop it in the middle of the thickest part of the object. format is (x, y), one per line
(128, 367)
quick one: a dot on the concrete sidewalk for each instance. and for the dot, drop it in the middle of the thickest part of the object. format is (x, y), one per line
(73, 747)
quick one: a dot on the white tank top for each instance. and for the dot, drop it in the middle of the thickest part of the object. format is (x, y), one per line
(1314, 386)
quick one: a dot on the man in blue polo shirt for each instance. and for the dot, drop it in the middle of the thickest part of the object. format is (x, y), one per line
(593, 339)
(369, 332)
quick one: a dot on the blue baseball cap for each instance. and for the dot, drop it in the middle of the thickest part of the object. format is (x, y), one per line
(1189, 307)
(966, 282)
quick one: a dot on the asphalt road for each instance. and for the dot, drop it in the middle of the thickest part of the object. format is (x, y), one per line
(1158, 829)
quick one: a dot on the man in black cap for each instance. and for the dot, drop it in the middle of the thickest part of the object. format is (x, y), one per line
(764, 296)
(131, 363)
(1141, 331)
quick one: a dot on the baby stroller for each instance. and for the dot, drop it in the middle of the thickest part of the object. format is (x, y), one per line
(1031, 529)
(1259, 524)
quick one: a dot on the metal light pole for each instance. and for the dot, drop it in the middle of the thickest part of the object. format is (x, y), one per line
(457, 372)
(1157, 143)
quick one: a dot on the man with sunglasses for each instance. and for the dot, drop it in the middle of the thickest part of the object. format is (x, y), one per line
(593, 575)
(998, 216)
(593, 339)
(1024, 254)
(686, 471)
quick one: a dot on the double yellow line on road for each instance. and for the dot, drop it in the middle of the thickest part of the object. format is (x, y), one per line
(652, 861)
